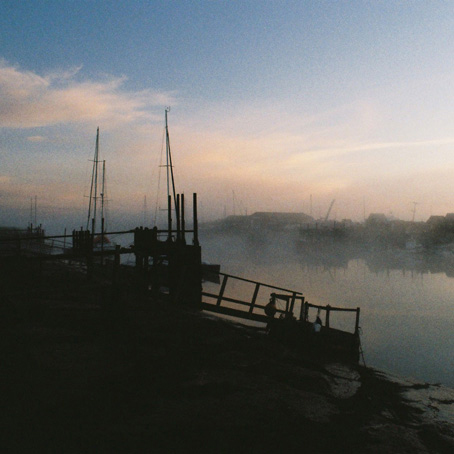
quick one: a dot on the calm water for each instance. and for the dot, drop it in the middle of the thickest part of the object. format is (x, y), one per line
(407, 316)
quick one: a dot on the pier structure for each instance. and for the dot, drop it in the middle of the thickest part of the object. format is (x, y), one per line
(171, 265)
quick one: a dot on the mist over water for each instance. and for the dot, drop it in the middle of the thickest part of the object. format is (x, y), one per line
(406, 302)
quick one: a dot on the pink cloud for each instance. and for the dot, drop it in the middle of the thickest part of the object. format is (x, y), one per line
(29, 100)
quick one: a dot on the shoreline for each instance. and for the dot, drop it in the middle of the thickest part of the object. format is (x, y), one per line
(88, 372)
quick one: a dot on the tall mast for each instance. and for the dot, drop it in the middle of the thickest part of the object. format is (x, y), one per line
(103, 193)
(167, 152)
(94, 188)
(169, 164)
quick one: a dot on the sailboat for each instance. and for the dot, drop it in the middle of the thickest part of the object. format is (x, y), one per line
(98, 193)
(171, 192)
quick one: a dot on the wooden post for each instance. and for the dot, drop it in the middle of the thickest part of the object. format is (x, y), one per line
(169, 218)
(183, 226)
(357, 320)
(196, 224)
(292, 302)
(221, 291)
(328, 310)
(177, 210)
(302, 309)
(254, 297)
(306, 311)
(116, 265)
(102, 241)
(89, 252)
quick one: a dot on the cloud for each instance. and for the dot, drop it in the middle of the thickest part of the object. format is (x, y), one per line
(36, 139)
(29, 100)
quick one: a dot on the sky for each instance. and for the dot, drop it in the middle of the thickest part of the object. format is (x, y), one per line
(274, 106)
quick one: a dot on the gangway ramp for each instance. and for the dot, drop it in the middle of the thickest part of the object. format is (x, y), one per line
(229, 303)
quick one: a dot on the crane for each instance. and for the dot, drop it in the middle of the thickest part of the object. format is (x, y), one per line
(329, 210)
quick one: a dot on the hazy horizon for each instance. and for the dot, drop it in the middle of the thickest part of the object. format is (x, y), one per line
(272, 104)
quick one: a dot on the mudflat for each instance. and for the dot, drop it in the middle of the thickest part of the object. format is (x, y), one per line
(89, 368)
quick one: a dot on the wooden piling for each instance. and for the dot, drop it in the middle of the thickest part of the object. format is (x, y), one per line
(169, 218)
(183, 226)
(196, 224)
(178, 220)
(328, 310)
(357, 321)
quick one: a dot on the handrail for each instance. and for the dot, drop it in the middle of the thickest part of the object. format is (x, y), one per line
(122, 232)
(328, 310)
(261, 283)
(290, 299)
(333, 308)
(252, 304)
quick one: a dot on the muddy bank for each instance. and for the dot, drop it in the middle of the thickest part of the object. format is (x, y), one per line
(87, 370)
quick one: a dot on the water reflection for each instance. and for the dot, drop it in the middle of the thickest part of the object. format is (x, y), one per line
(406, 298)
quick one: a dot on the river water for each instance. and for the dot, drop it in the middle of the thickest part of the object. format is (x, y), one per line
(406, 301)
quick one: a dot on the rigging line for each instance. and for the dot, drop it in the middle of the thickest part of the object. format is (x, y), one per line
(159, 179)
(169, 163)
(171, 173)
(96, 182)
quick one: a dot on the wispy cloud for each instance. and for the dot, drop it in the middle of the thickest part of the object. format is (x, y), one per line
(29, 100)
(36, 139)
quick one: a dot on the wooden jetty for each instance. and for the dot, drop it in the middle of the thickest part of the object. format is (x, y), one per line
(167, 267)
(283, 324)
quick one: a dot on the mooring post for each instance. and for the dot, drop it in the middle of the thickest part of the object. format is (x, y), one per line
(357, 320)
(89, 252)
(183, 226)
(177, 211)
(292, 302)
(169, 218)
(302, 309)
(196, 224)
(116, 265)
(102, 241)
(328, 310)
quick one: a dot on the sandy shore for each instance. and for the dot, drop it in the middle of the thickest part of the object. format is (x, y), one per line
(82, 371)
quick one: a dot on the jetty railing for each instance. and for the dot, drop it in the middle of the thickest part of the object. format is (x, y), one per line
(328, 309)
(254, 309)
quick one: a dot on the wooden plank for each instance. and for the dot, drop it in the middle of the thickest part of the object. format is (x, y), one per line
(254, 297)
(332, 308)
(234, 312)
(231, 300)
(261, 283)
(221, 291)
